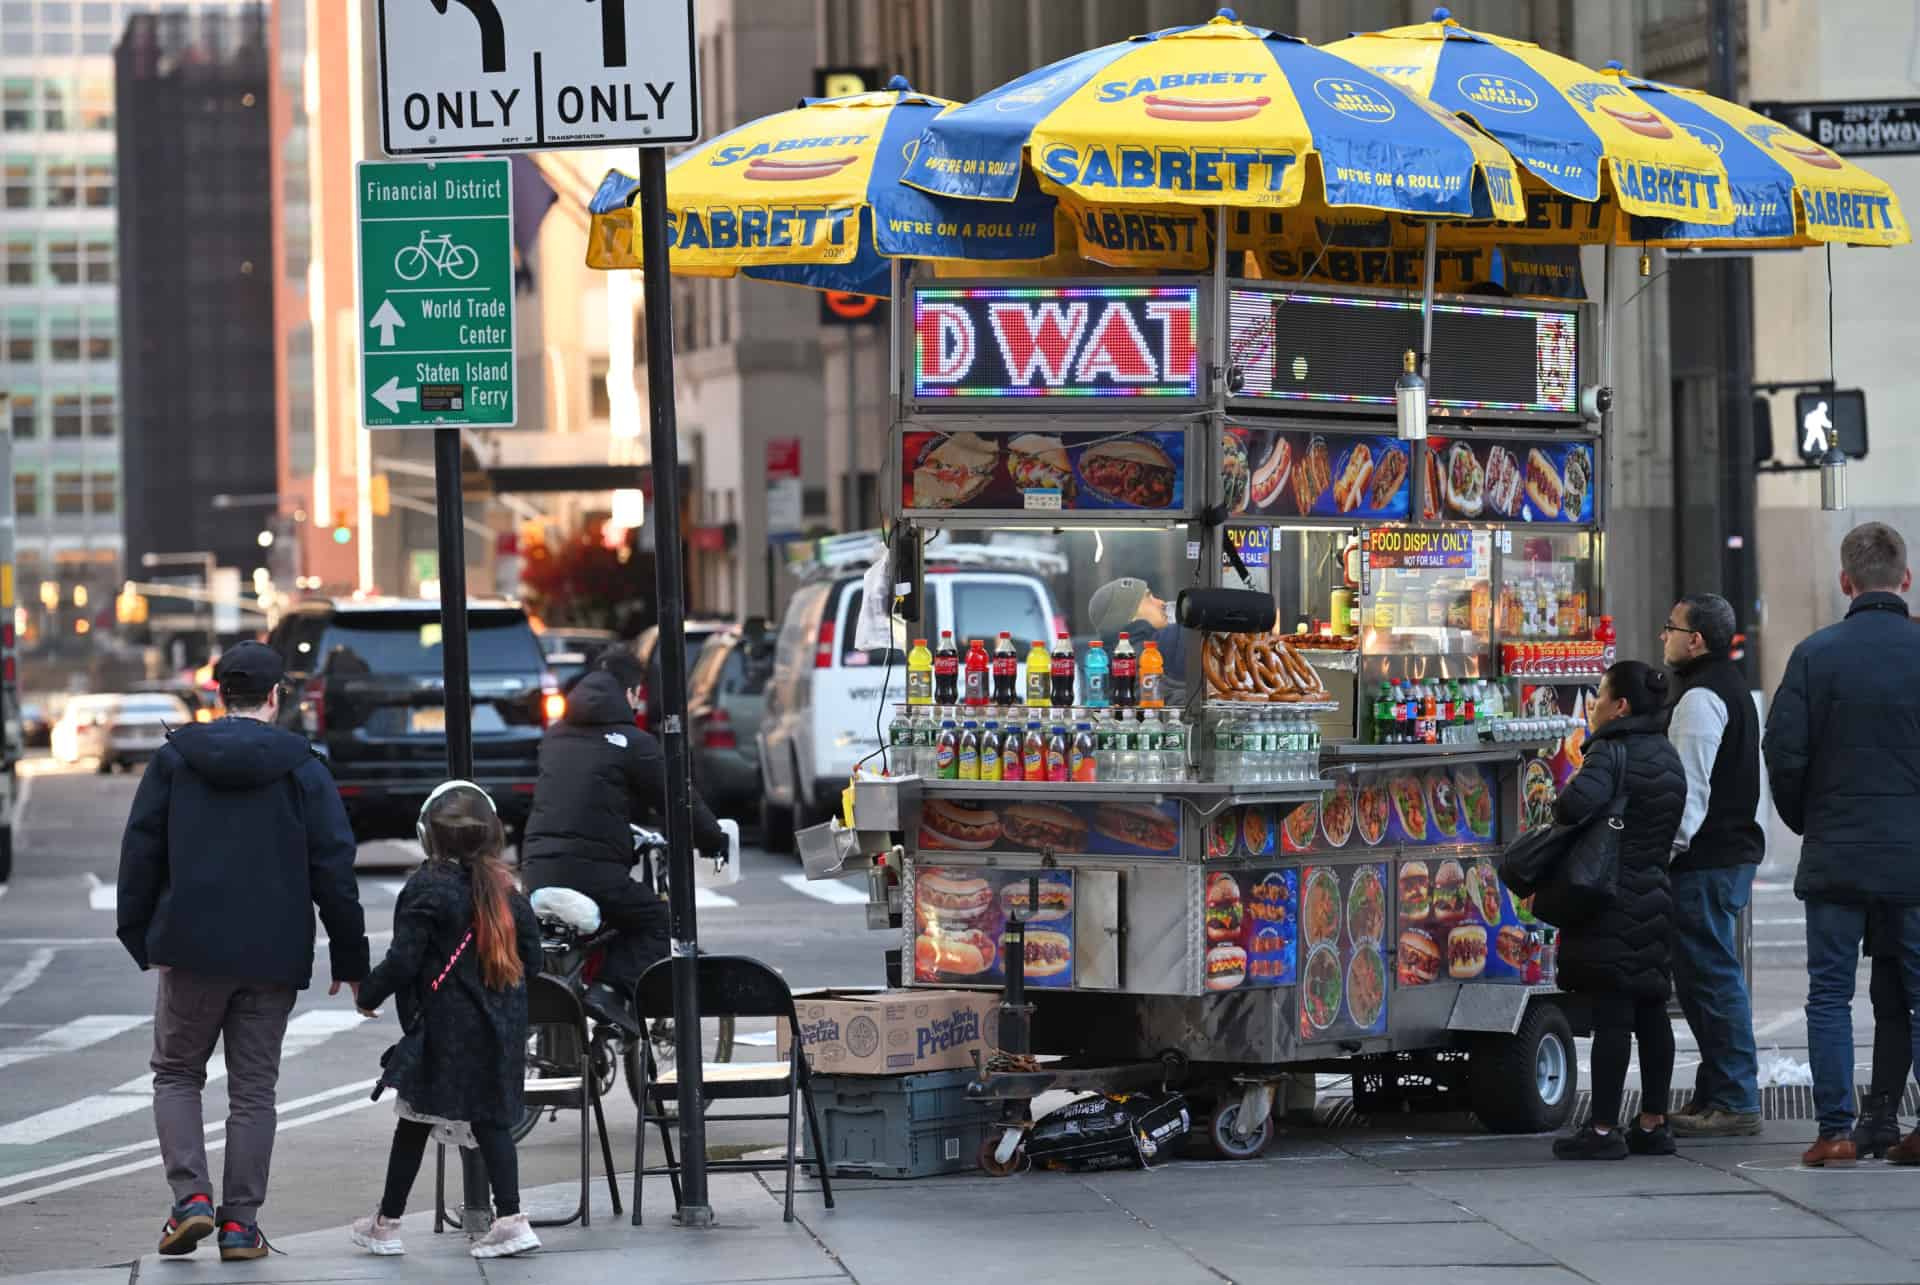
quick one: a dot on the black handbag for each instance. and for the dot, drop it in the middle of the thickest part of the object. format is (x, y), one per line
(1572, 871)
(403, 1052)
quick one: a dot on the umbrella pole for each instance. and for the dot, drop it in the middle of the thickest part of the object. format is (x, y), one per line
(1426, 300)
(1220, 344)
(1606, 315)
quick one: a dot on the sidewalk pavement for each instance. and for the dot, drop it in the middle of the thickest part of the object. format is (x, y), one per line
(1362, 1206)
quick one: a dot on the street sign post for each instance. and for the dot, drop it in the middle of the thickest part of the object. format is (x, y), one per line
(435, 241)
(1854, 127)
(535, 75)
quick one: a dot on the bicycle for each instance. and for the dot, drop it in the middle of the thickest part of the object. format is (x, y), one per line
(439, 252)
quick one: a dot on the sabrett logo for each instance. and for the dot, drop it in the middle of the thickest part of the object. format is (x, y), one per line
(1173, 169)
(753, 227)
(1827, 208)
(947, 1032)
(736, 152)
(1134, 230)
(1664, 185)
(1114, 91)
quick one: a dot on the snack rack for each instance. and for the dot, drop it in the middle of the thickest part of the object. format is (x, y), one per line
(1218, 931)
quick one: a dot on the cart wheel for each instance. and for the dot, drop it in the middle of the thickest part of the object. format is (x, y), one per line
(990, 1162)
(1526, 1082)
(1232, 1146)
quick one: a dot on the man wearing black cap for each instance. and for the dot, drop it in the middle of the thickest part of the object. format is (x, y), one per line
(237, 832)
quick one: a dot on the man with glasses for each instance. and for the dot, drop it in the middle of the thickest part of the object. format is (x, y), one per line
(1717, 733)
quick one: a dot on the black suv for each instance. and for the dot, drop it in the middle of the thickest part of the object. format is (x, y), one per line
(367, 692)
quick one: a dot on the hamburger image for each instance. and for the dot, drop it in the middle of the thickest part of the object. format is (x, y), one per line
(952, 898)
(1511, 946)
(1416, 891)
(1450, 894)
(1418, 958)
(957, 827)
(1226, 968)
(1043, 827)
(1467, 951)
(1038, 462)
(1224, 909)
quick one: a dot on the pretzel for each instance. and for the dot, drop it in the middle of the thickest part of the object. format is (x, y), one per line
(1258, 667)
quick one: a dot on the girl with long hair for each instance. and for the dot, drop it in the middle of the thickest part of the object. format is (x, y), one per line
(464, 941)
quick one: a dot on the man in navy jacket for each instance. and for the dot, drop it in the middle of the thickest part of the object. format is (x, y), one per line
(237, 833)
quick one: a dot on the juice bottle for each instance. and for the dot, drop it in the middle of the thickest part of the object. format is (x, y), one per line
(977, 668)
(1057, 751)
(990, 752)
(1097, 672)
(920, 674)
(1126, 673)
(1153, 676)
(1083, 765)
(1006, 671)
(969, 752)
(1039, 675)
(946, 671)
(1033, 753)
(946, 753)
(1013, 766)
(1060, 691)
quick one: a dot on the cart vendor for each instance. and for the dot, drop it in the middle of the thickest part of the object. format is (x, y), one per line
(1128, 605)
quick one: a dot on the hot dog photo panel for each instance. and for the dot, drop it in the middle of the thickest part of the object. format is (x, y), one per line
(960, 922)
(1063, 472)
(1294, 473)
(1510, 481)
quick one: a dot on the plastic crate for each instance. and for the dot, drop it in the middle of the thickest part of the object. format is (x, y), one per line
(900, 1126)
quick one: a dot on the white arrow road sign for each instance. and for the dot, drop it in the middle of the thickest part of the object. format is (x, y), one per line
(390, 395)
(385, 320)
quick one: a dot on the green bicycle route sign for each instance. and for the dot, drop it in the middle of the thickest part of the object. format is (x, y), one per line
(435, 240)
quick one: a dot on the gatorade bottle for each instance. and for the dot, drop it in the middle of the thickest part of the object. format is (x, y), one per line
(1153, 676)
(977, 667)
(990, 752)
(1006, 671)
(1033, 753)
(970, 752)
(1097, 673)
(1039, 675)
(946, 671)
(1126, 673)
(1013, 754)
(1061, 688)
(946, 753)
(920, 674)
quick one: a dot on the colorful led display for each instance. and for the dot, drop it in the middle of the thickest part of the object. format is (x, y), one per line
(1116, 341)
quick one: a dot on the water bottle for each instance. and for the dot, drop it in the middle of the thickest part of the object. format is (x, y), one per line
(1126, 747)
(1173, 746)
(1147, 739)
(1226, 750)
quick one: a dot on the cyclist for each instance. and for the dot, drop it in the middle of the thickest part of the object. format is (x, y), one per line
(598, 772)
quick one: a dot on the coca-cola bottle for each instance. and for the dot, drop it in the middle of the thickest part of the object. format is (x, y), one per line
(1126, 674)
(1063, 675)
(946, 671)
(1006, 671)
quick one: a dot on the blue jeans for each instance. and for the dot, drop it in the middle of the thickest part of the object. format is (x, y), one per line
(1834, 933)
(1711, 986)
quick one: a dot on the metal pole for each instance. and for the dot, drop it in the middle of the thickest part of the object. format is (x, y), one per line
(209, 564)
(695, 1211)
(476, 1203)
(1426, 305)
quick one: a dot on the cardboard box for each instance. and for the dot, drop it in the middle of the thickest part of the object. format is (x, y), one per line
(891, 1032)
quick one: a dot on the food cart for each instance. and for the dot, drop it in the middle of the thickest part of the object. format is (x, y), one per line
(1260, 907)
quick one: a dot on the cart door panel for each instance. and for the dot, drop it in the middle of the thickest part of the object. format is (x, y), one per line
(1100, 930)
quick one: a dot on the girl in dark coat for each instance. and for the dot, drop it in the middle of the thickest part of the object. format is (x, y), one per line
(1618, 957)
(464, 941)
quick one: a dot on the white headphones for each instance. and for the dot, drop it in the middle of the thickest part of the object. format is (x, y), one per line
(420, 823)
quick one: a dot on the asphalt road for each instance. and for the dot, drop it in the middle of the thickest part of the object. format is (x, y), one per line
(80, 1184)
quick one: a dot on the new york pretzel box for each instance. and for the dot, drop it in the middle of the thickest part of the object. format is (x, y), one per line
(852, 1032)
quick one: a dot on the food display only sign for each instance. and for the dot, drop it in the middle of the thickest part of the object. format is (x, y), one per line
(436, 293)
(1426, 548)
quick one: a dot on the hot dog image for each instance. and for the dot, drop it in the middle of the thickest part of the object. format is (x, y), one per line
(1134, 473)
(1048, 953)
(965, 952)
(1271, 473)
(1164, 107)
(1139, 825)
(767, 170)
(1418, 958)
(946, 824)
(1430, 502)
(1352, 483)
(1388, 474)
(1467, 951)
(1643, 122)
(951, 898)
(1056, 901)
(1543, 484)
(1226, 968)
(1810, 152)
(1503, 481)
(1311, 476)
(1043, 827)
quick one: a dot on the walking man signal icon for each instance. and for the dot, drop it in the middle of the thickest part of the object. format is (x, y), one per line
(1816, 430)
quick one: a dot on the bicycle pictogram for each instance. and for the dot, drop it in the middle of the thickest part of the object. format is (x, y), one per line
(438, 252)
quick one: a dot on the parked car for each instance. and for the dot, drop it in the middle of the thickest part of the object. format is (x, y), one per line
(725, 700)
(571, 651)
(369, 696)
(36, 728)
(647, 648)
(117, 731)
(826, 696)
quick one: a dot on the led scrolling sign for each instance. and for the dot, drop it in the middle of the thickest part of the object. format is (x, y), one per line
(1117, 341)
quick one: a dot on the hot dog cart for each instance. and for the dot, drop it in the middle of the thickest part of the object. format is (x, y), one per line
(1307, 880)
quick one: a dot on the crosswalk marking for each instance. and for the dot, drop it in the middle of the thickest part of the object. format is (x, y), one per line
(80, 1033)
(303, 1032)
(29, 974)
(100, 895)
(708, 899)
(831, 891)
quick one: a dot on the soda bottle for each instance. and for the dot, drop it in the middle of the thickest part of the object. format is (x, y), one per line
(1126, 674)
(1604, 635)
(1039, 675)
(920, 674)
(946, 671)
(1006, 671)
(1012, 754)
(946, 753)
(1084, 766)
(1153, 676)
(1057, 750)
(1383, 715)
(1033, 753)
(969, 752)
(977, 666)
(1097, 674)
(1060, 693)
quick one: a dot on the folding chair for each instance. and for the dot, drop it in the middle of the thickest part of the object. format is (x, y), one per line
(741, 987)
(569, 1084)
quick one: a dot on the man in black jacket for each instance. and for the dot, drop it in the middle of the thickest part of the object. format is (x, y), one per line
(1717, 733)
(1843, 754)
(237, 833)
(598, 774)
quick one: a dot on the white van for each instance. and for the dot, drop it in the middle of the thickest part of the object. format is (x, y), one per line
(826, 705)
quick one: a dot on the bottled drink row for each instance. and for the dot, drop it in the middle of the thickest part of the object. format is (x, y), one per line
(1436, 712)
(1044, 680)
(1064, 745)
(1254, 747)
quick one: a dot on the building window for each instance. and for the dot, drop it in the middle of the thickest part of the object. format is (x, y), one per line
(23, 412)
(103, 416)
(106, 494)
(19, 181)
(23, 337)
(66, 414)
(600, 401)
(16, 105)
(26, 495)
(100, 183)
(63, 336)
(53, 106)
(58, 44)
(100, 265)
(96, 103)
(103, 334)
(69, 494)
(21, 269)
(63, 261)
(63, 185)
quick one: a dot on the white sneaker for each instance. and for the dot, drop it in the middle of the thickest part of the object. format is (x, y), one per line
(378, 1235)
(508, 1236)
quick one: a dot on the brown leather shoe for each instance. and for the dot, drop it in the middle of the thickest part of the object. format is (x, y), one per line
(1830, 1152)
(1906, 1151)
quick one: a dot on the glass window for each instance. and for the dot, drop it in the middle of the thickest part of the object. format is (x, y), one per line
(97, 14)
(57, 43)
(69, 494)
(21, 268)
(100, 182)
(66, 414)
(26, 495)
(23, 337)
(103, 336)
(408, 642)
(96, 42)
(19, 182)
(96, 103)
(984, 606)
(100, 265)
(103, 416)
(17, 41)
(855, 597)
(23, 410)
(63, 185)
(16, 13)
(54, 100)
(63, 260)
(56, 13)
(16, 104)
(63, 336)
(104, 491)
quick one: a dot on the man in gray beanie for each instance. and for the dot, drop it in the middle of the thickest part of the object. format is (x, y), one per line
(1128, 605)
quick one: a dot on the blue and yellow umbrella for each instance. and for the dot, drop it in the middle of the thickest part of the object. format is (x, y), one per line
(1215, 115)
(812, 197)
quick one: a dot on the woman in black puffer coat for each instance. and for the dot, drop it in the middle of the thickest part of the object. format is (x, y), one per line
(1618, 958)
